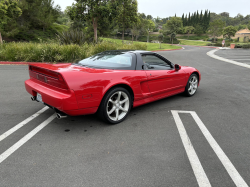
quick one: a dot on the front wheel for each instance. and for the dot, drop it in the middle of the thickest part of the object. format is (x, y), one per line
(115, 105)
(192, 85)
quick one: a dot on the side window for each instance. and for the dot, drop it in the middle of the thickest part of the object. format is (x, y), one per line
(155, 63)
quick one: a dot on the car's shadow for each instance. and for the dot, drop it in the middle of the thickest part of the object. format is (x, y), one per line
(92, 121)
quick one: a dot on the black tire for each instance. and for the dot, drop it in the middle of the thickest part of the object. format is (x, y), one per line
(189, 85)
(104, 106)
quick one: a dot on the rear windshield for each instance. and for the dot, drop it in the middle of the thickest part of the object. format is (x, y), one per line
(109, 61)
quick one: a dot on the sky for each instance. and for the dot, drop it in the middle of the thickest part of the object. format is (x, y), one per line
(166, 8)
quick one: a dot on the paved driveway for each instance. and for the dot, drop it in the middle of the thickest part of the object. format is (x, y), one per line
(150, 148)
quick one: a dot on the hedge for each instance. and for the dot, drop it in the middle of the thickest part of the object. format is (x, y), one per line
(54, 52)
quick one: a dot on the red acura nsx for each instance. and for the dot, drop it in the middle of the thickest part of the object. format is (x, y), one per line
(109, 83)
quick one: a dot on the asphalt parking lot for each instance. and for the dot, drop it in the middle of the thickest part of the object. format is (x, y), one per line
(239, 55)
(177, 141)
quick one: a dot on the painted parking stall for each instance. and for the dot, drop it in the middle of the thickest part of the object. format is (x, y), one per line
(201, 177)
(26, 138)
(238, 57)
(199, 172)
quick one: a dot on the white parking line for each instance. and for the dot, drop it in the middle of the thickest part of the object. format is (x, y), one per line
(239, 59)
(211, 54)
(234, 174)
(26, 138)
(24, 122)
(199, 172)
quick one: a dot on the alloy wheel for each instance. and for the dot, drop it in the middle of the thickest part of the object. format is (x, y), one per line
(117, 106)
(193, 85)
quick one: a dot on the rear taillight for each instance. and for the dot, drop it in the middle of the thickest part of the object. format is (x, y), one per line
(49, 77)
(60, 83)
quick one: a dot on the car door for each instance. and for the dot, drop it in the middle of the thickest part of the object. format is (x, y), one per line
(163, 79)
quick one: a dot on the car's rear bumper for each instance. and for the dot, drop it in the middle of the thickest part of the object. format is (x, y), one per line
(64, 102)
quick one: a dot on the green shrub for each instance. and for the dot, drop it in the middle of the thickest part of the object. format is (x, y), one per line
(37, 35)
(59, 28)
(211, 44)
(54, 52)
(142, 38)
(246, 46)
(238, 46)
(193, 37)
(71, 37)
(155, 30)
(219, 44)
(167, 40)
(212, 39)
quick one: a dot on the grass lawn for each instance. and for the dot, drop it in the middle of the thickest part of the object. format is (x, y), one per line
(150, 46)
(192, 42)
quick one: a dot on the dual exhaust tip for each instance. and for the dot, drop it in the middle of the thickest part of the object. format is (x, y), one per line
(33, 98)
(58, 115)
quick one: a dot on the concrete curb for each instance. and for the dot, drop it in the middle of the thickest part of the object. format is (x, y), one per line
(211, 54)
(18, 63)
(198, 46)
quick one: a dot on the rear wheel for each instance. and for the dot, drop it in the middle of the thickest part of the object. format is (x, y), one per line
(115, 105)
(192, 85)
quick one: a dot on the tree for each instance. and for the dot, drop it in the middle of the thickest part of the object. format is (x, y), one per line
(143, 15)
(185, 23)
(78, 22)
(189, 29)
(148, 25)
(91, 11)
(135, 31)
(166, 33)
(184, 20)
(160, 38)
(198, 30)
(9, 12)
(229, 31)
(200, 18)
(63, 19)
(149, 17)
(33, 19)
(189, 20)
(172, 37)
(126, 14)
(174, 25)
(47, 14)
(196, 19)
(216, 28)
(241, 27)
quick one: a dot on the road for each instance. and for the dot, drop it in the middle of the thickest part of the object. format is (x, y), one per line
(145, 150)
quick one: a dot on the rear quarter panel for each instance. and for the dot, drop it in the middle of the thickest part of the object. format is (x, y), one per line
(90, 87)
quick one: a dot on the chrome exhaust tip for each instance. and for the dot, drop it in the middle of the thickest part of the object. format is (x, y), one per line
(60, 116)
(33, 98)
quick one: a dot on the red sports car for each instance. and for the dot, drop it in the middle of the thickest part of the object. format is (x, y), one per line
(109, 83)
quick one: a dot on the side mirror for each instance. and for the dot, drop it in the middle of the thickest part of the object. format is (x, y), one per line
(177, 67)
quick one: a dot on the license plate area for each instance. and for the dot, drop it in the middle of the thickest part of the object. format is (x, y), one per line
(39, 98)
